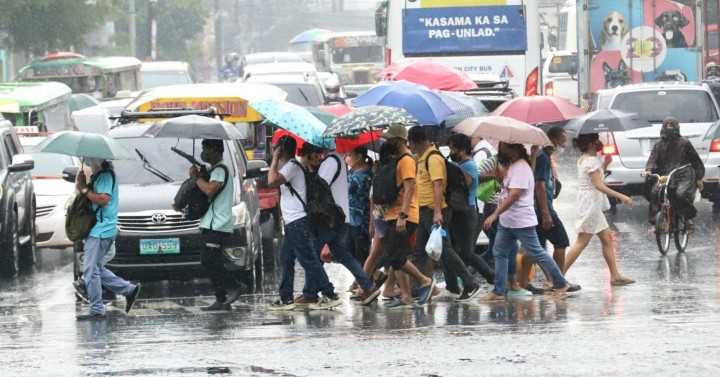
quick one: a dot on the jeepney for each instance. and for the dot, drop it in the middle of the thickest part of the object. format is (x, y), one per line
(101, 77)
(36, 107)
(231, 100)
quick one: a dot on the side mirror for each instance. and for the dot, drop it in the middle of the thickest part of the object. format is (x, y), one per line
(21, 163)
(256, 169)
(70, 173)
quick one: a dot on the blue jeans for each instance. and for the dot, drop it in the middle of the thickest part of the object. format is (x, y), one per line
(299, 244)
(505, 250)
(96, 276)
(339, 242)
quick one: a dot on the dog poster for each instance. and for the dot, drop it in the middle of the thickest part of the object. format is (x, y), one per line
(642, 40)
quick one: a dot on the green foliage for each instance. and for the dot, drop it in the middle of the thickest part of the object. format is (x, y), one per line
(45, 25)
(179, 22)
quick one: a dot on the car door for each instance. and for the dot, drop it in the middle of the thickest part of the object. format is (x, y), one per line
(15, 181)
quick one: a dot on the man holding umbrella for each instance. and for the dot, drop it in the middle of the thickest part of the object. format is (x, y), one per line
(103, 193)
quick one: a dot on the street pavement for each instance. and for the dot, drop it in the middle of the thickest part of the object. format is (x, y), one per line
(668, 323)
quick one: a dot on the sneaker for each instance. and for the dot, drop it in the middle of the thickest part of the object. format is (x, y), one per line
(397, 304)
(468, 294)
(326, 303)
(518, 293)
(130, 299)
(279, 305)
(424, 293)
(81, 291)
(573, 288)
(216, 307)
(368, 297)
(535, 290)
(90, 316)
(303, 303)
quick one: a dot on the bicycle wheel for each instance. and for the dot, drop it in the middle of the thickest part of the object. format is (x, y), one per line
(680, 233)
(662, 232)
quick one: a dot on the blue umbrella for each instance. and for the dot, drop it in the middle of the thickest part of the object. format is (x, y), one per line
(462, 106)
(422, 103)
(295, 119)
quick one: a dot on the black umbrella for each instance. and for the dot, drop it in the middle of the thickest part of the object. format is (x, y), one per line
(194, 127)
(604, 121)
(365, 119)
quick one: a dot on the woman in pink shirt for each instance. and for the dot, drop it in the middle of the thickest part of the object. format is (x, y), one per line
(517, 222)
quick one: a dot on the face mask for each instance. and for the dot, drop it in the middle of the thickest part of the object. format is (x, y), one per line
(455, 157)
(94, 163)
(669, 133)
(204, 155)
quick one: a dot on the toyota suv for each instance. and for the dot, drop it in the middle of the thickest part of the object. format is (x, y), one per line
(154, 241)
(694, 107)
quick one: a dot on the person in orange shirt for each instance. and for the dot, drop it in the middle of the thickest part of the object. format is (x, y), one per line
(402, 218)
(431, 184)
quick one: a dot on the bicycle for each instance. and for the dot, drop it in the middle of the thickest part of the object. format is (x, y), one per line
(666, 221)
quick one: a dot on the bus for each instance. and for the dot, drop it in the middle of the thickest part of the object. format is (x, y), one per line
(483, 38)
(712, 32)
(101, 77)
(36, 108)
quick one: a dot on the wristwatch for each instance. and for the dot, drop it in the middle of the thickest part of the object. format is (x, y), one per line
(403, 216)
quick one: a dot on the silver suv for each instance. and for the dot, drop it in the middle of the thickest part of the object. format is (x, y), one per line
(692, 104)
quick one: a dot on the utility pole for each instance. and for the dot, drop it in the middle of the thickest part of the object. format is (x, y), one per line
(133, 32)
(218, 35)
(153, 29)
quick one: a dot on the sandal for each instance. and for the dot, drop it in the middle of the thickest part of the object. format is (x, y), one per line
(622, 281)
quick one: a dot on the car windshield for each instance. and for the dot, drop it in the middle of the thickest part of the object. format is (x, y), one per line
(302, 94)
(50, 165)
(687, 106)
(361, 54)
(161, 159)
(154, 79)
(563, 64)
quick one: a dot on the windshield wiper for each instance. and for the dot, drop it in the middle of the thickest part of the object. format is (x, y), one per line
(155, 171)
(307, 100)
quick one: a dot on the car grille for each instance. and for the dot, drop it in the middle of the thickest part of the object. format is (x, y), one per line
(43, 211)
(361, 77)
(154, 224)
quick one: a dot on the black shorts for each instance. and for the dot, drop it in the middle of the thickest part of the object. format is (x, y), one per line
(397, 247)
(556, 235)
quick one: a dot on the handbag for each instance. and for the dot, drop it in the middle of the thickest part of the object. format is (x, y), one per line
(487, 190)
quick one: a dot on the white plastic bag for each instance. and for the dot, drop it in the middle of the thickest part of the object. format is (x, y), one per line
(435, 243)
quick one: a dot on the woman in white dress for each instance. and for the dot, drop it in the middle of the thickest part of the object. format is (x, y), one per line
(592, 201)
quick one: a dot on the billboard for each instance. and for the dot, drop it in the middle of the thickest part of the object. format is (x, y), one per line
(642, 40)
(464, 30)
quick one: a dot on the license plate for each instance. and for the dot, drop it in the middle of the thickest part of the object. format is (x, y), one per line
(158, 247)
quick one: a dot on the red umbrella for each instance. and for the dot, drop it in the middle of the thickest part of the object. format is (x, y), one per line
(346, 145)
(435, 76)
(539, 109)
(279, 133)
(338, 109)
(389, 72)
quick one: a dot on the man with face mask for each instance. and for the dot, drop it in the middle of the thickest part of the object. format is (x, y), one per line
(671, 152)
(103, 193)
(217, 223)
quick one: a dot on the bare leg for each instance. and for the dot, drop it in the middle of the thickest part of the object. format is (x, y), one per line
(404, 282)
(375, 251)
(611, 259)
(413, 271)
(583, 239)
(559, 256)
(389, 287)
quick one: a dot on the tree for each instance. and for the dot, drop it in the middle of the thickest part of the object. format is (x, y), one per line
(38, 26)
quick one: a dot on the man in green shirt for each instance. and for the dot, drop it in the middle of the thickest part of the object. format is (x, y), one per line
(217, 223)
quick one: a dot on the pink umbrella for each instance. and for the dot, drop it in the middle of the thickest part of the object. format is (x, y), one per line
(338, 109)
(539, 109)
(435, 76)
(503, 129)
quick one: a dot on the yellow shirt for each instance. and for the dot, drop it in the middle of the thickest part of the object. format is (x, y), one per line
(425, 179)
(406, 169)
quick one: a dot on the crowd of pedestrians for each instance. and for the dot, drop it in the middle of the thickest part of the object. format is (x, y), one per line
(392, 207)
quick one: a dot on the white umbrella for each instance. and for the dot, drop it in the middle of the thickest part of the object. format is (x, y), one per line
(503, 129)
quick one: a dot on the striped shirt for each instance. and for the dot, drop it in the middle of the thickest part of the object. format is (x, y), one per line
(489, 166)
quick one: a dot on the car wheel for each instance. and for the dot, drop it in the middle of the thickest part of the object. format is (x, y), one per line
(28, 251)
(10, 252)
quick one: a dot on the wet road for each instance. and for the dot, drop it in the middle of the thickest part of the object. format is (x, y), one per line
(668, 323)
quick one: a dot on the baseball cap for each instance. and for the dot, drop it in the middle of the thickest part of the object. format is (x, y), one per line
(395, 131)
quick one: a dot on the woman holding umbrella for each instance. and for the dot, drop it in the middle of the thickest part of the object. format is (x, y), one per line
(591, 202)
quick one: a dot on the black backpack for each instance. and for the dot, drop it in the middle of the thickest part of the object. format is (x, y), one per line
(385, 188)
(80, 218)
(457, 191)
(192, 201)
(320, 206)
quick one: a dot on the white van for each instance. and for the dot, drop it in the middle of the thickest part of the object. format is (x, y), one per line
(560, 76)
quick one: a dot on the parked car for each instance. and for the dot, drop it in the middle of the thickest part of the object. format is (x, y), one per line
(52, 193)
(302, 90)
(155, 74)
(17, 205)
(146, 216)
(271, 57)
(694, 107)
(560, 76)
